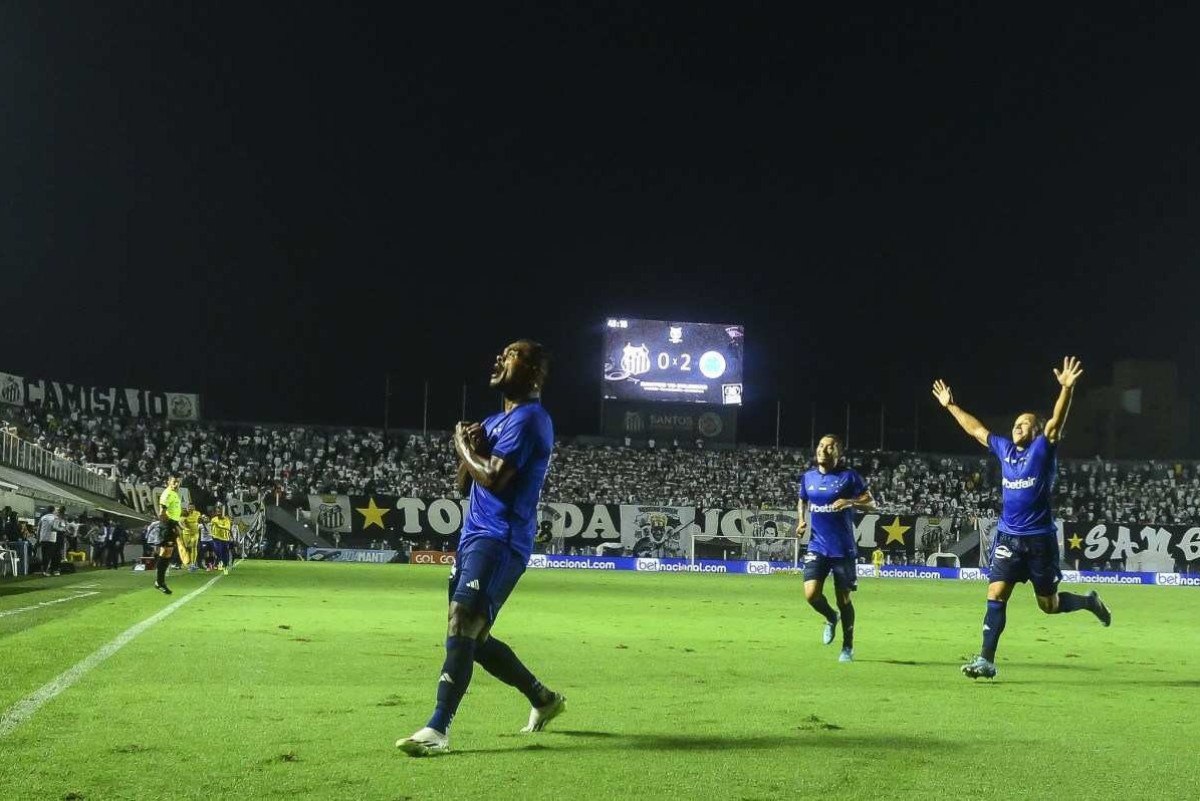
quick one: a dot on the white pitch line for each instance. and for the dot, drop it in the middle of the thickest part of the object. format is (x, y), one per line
(24, 709)
(39, 605)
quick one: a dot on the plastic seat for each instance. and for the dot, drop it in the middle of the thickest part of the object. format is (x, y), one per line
(8, 557)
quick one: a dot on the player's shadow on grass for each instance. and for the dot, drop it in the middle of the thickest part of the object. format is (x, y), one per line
(910, 662)
(1184, 683)
(611, 741)
(21, 589)
(1072, 665)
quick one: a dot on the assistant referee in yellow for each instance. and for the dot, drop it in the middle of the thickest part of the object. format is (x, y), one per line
(170, 510)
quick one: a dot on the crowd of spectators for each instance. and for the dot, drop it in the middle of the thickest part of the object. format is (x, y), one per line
(293, 462)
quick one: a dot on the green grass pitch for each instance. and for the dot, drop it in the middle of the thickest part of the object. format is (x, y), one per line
(293, 680)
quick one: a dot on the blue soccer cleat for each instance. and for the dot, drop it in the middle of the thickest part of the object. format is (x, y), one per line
(828, 632)
(979, 667)
(847, 655)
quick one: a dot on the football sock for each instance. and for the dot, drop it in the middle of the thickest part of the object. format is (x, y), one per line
(1070, 602)
(821, 604)
(847, 613)
(498, 659)
(456, 676)
(160, 568)
(993, 626)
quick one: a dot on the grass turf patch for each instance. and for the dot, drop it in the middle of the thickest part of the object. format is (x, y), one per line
(290, 679)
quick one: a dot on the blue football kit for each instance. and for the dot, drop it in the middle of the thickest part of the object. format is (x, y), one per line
(832, 547)
(498, 533)
(1026, 545)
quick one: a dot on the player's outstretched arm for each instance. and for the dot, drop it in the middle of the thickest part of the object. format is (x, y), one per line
(941, 391)
(1071, 371)
(801, 516)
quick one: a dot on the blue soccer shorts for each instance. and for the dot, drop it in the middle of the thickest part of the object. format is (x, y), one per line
(818, 566)
(484, 575)
(1033, 558)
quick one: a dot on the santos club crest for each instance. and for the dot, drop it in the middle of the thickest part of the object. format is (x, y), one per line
(635, 361)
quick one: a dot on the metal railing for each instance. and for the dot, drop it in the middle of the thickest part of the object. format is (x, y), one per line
(22, 455)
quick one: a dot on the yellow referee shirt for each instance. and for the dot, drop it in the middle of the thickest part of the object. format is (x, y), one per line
(169, 501)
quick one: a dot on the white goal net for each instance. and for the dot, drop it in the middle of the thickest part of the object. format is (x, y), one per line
(757, 546)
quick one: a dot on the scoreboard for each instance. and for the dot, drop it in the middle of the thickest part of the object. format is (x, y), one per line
(661, 360)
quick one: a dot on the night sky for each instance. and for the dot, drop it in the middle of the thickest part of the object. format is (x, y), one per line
(277, 205)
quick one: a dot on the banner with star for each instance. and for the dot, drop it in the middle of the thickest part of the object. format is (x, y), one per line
(890, 533)
(1135, 546)
(631, 527)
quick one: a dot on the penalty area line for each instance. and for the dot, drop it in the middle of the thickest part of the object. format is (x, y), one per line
(24, 709)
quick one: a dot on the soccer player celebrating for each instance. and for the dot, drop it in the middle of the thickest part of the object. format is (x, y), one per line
(506, 459)
(170, 510)
(1026, 544)
(830, 492)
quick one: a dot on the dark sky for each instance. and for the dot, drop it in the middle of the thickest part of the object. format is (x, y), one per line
(275, 205)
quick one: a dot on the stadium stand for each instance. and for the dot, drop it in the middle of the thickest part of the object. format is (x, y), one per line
(290, 462)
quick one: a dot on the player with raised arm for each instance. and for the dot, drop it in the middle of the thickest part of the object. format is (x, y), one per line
(830, 492)
(1026, 544)
(506, 459)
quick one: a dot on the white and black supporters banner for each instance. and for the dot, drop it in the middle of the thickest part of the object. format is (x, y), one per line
(60, 396)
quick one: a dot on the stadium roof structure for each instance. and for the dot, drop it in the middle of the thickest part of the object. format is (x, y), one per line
(48, 491)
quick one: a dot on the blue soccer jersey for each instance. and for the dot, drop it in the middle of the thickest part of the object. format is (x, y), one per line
(832, 532)
(524, 438)
(1028, 480)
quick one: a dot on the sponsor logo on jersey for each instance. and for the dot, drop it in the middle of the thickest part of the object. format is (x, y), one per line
(1018, 483)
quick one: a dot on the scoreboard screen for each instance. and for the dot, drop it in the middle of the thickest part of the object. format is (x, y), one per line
(662, 360)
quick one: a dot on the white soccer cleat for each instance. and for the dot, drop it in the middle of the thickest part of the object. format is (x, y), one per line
(425, 742)
(539, 716)
(829, 631)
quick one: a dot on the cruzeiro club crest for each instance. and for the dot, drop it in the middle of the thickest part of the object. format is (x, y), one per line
(635, 361)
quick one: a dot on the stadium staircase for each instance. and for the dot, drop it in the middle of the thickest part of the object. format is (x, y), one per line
(294, 528)
(967, 549)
